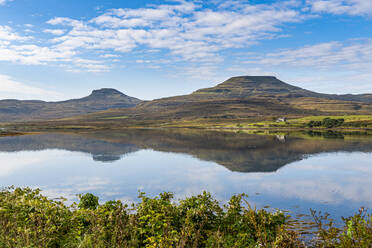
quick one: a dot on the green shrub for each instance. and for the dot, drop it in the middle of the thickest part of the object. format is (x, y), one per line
(28, 219)
(88, 201)
(330, 123)
(356, 231)
(314, 124)
(326, 122)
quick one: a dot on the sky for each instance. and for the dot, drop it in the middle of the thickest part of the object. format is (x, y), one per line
(56, 50)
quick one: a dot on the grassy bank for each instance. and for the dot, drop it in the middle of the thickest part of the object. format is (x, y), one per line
(28, 219)
(291, 123)
(315, 122)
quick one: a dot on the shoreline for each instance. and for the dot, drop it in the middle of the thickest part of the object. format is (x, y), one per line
(32, 130)
(348, 123)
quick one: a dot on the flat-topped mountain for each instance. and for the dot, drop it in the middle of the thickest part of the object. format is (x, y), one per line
(98, 100)
(106, 93)
(248, 86)
(106, 98)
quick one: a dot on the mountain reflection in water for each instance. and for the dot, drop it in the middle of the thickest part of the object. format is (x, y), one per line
(238, 152)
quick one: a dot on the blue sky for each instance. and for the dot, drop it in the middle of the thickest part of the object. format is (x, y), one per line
(55, 50)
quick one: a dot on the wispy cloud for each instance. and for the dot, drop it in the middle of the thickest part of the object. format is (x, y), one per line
(182, 31)
(23, 50)
(79, 65)
(7, 34)
(108, 55)
(54, 31)
(354, 56)
(185, 32)
(338, 7)
(11, 88)
(33, 54)
(2, 2)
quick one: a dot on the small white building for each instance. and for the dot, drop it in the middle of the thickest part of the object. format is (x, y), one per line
(282, 119)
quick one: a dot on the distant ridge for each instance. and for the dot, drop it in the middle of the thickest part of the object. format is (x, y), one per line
(98, 100)
(243, 97)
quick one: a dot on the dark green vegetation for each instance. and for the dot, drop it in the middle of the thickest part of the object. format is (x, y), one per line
(15, 110)
(243, 152)
(28, 219)
(342, 123)
(237, 101)
(327, 123)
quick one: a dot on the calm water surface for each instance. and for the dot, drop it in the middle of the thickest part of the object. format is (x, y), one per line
(332, 173)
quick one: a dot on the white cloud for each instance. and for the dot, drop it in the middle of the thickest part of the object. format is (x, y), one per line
(338, 7)
(33, 54)
(183, 29)
(355, 56)
(54, 31)
(7, 34)
(17, 49)
(336, 81)
(108, 55)
(13, 48)
(10, 88)
(90, 65)
(200, 72)
(27, 30)
(64, 21)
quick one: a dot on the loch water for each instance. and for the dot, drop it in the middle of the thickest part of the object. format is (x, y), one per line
(330, 172)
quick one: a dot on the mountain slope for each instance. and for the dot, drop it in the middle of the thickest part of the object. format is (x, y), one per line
(241, 97)
(249, 98)
(263, 87)
(98, 100)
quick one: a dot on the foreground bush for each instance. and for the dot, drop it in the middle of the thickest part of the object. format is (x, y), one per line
(28, 219)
